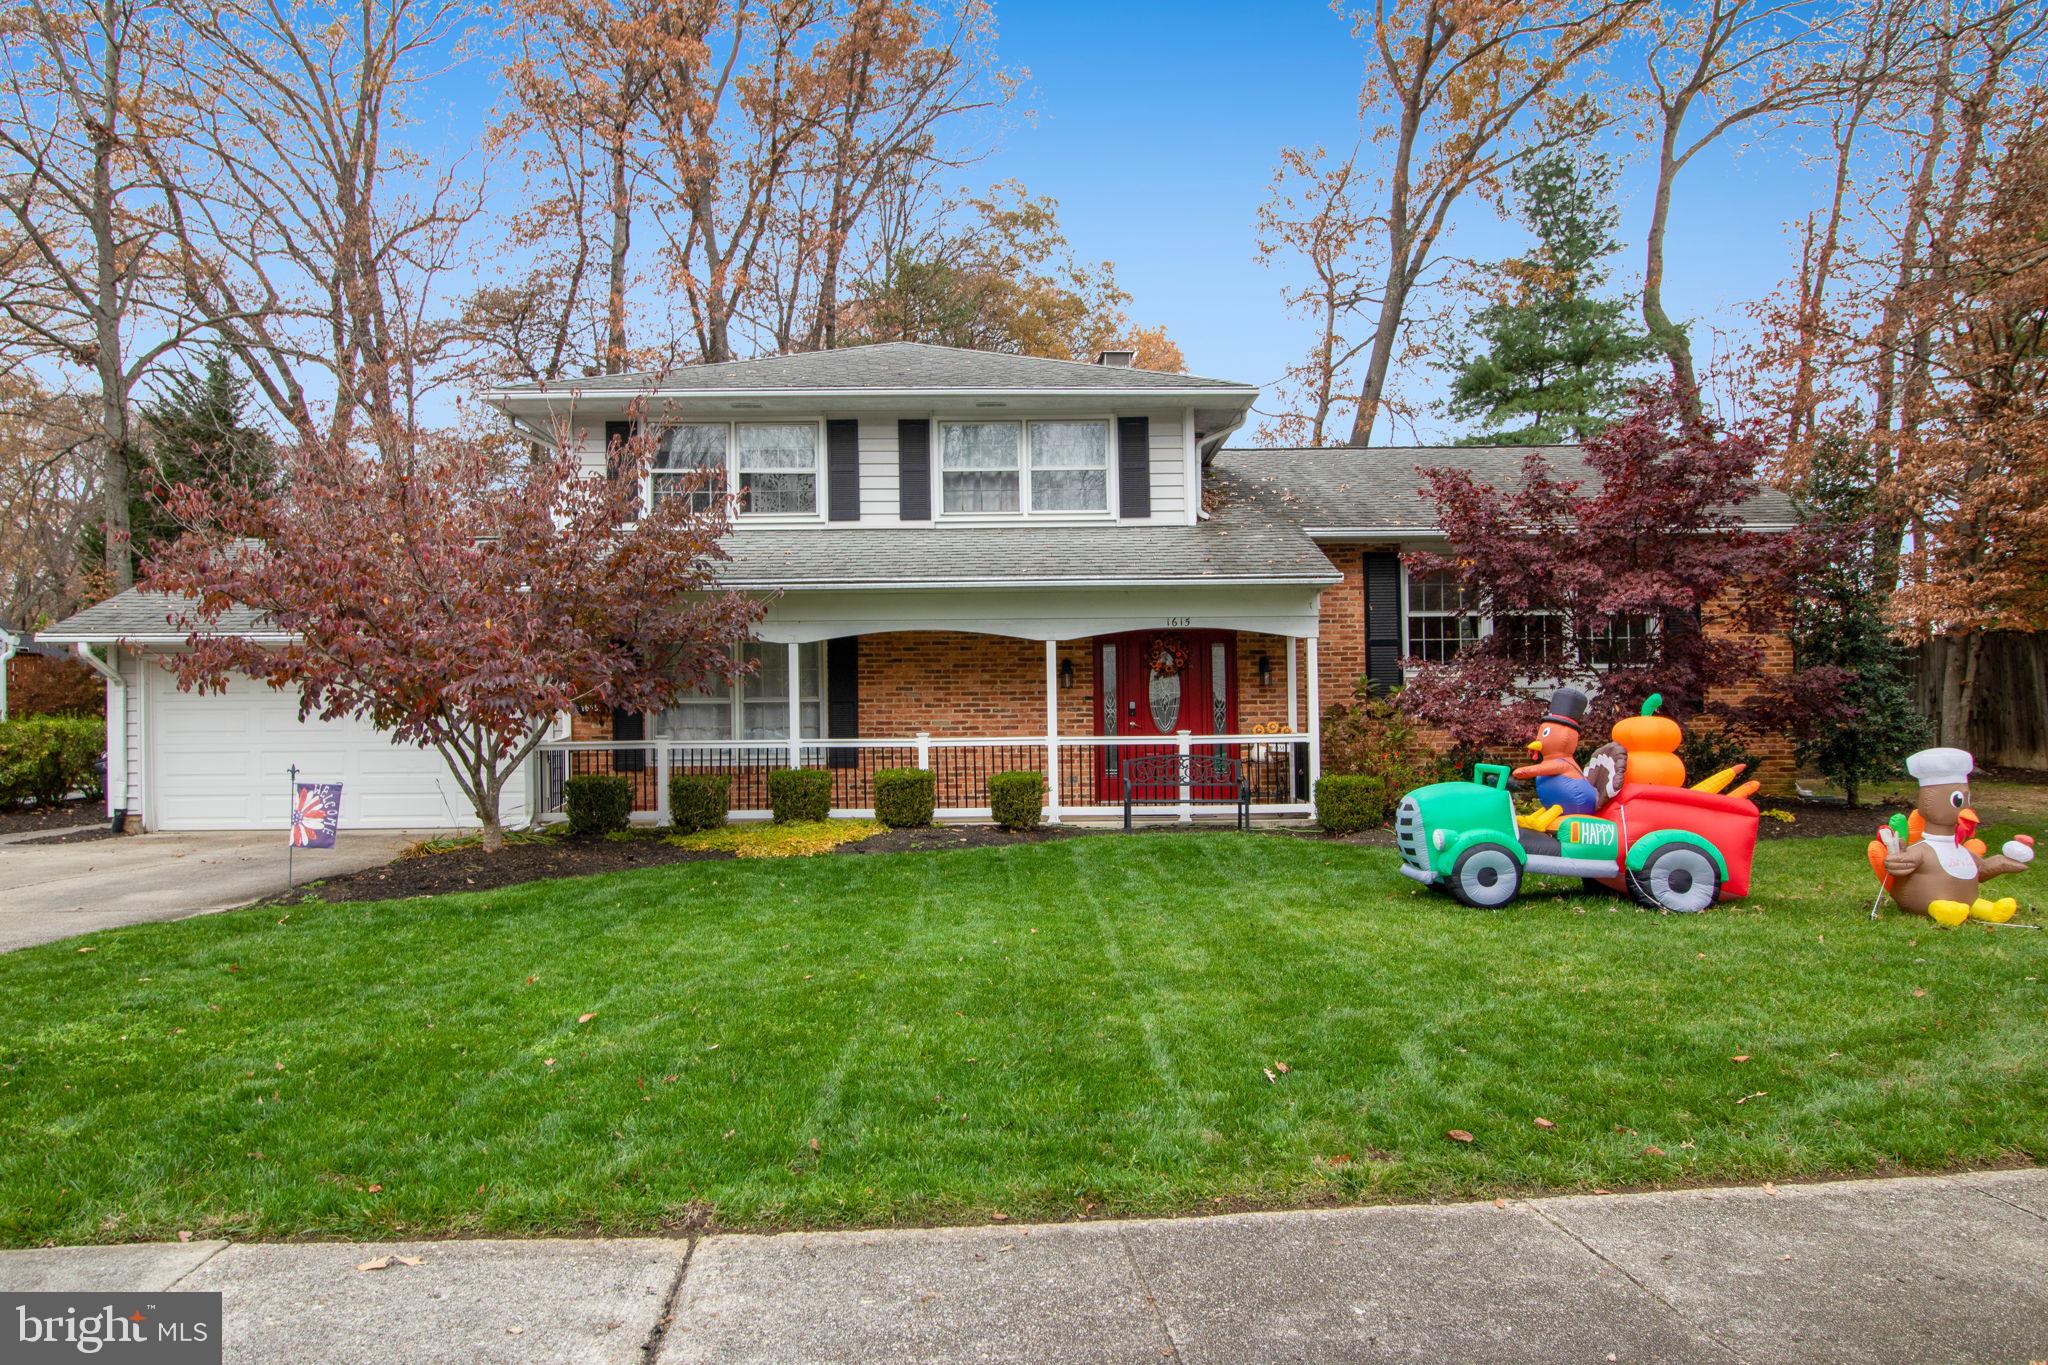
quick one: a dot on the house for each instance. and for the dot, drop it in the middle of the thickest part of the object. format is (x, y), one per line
(972, 562)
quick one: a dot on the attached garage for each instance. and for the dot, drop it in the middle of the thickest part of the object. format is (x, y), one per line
(222, 761)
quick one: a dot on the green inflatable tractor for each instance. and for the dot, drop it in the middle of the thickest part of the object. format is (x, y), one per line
(1462, 836)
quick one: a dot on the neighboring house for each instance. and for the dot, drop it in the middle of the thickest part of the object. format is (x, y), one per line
(41, 679)
(972, 562)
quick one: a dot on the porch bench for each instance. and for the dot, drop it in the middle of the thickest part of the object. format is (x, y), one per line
(1188, 779)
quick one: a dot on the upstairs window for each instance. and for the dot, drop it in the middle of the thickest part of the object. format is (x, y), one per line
(979, 465)
(777, 468)
(1011, 468)
(689, 462)
(1069, 467)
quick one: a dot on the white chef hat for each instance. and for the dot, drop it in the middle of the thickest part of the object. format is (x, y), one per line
(1941, 767)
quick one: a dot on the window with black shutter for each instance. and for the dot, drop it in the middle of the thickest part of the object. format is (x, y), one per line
(842, 699)
(1383, 621)
(842, 469)
(914, 470)
(1134, 466)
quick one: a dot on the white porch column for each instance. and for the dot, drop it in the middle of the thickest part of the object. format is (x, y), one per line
(1315, 718)
(796, 709)
(1052, 732)
(1293, 714)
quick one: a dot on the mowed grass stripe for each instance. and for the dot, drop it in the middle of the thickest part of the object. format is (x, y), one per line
(1081, 1026)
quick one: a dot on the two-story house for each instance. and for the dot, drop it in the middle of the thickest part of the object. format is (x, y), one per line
(971, 562)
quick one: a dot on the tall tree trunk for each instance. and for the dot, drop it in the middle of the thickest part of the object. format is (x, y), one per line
(1668, 336)
(621, 244)
(109, 360)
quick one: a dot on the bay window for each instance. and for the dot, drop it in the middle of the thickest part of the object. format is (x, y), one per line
(758, 707)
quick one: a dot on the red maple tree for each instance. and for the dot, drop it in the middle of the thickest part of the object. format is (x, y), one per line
(1604, 582)
(459, 597)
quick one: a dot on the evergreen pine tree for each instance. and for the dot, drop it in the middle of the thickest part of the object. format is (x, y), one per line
(1838, 622)
(1556, 357)
(192, 432)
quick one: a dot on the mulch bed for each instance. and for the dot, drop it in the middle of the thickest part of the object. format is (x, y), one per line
(472, 869)
(1812, 819)
(63, 815)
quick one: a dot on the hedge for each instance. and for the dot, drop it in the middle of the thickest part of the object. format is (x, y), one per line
(598, 803)
(799, 794)
(904, 797)
(1349, 802)
(1016, 800)
(699, 801)
(45, 758)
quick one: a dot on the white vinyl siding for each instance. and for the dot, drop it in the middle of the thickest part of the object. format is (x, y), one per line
(1169, 464)
(878, 471)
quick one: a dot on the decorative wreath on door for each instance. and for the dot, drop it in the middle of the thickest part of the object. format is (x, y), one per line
(1169, 655)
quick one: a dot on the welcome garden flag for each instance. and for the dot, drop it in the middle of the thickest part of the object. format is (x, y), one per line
(316, 814)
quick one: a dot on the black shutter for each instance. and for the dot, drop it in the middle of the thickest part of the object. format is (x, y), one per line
(616, 437)
(1134, 466)
(842, 706)
(914, 470)
(1383, 621)
(628, 725)
(842, 469)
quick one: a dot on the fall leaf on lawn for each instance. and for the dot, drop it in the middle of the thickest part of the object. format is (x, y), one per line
(1753, 1095)
(586, 1018)
(1281, 1067)
(1269, 1075)
(376, 1189)
(1341, 1159)
(88, 950)
(184, 1235)
(1653, 1150)
(1918, 991)
(814, 1144)
(1000, 1216)
(549, 1062)
(1545, 1123)
(1458, 1135)
(1741, 1058)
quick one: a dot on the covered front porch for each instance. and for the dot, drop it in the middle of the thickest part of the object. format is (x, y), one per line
(1070, 683)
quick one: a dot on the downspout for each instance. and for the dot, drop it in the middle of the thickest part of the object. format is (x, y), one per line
(117, 705)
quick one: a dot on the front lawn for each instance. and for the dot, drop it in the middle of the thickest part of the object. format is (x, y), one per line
(1103, 1025)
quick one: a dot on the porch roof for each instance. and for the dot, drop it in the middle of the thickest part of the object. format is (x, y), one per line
(1250, 540)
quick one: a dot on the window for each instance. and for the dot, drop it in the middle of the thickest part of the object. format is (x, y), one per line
(978, 467)
(1440, 616)
(689, 461)
(983, 467)
(762, 709)
(778, 468)
(1618, 640)
(1069, 467)
(1535, 639)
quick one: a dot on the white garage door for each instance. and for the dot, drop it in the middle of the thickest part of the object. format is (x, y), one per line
(221, 761)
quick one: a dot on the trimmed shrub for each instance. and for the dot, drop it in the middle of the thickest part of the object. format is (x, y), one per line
(699, 800)
(1349, 802)
(45, 758)
(598, 803)
(799, 794)
(1017, 800)
(904, 797)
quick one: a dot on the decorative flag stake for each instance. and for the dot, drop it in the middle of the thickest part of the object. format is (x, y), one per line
(315, 815)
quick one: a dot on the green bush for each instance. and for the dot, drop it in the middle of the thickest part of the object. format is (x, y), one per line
(699, 800)
(44, 758)
(1349, 802)
(1374, 736)
(904, 797)
(598, 803)
(1016, 800)
(799, 794)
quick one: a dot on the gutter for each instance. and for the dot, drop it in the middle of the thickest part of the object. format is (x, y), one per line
(941, 584)
(117, 703)
(500, 397)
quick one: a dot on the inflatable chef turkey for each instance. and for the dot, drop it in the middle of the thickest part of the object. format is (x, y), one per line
(1934, 870)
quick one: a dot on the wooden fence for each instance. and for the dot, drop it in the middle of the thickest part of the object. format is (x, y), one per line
(2009, 721)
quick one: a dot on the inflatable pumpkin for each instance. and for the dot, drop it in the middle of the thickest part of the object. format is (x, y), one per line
(1652, 743)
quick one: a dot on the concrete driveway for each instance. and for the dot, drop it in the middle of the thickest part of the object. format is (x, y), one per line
(54, 891)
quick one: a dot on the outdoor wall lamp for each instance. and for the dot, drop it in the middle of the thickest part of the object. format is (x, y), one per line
(1066, 673)
(1265, 669)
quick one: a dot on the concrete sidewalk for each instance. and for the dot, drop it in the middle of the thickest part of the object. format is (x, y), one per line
(1937, 1268)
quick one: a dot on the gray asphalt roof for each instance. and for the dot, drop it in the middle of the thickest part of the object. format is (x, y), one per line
(1379, 489)
(134, 613)
(907, 365)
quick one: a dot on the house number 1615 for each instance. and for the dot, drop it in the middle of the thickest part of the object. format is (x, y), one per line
(1180, 620)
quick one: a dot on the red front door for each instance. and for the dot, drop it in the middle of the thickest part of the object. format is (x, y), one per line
(1152, 684)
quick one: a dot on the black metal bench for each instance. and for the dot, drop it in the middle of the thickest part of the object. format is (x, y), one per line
(1183, 777)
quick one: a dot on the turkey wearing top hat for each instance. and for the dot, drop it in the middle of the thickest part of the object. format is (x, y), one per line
(1560, 785)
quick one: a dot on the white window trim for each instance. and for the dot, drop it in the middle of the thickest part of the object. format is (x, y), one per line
(1025, 511)
(820, 503)
(736, 704)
